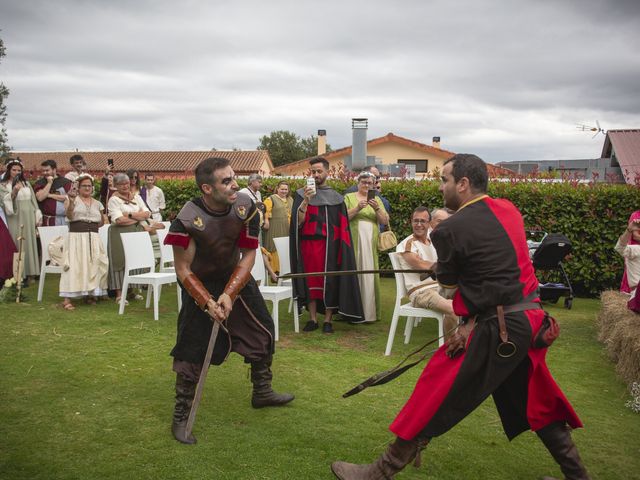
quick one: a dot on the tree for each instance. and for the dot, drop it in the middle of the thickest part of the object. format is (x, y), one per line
(286, 147)
(4, 93)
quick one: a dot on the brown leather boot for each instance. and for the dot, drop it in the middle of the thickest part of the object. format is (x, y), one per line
(399, 454)
(557, 438)
(263, 394)
(185, 391)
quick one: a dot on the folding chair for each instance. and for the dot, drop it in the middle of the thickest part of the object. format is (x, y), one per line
(138, 254)
(47, 234)
(406, 310)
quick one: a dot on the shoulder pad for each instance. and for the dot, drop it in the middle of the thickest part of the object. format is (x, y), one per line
(191, 216)
(244, 206)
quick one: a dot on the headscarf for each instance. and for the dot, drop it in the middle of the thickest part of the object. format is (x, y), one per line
(624, 285)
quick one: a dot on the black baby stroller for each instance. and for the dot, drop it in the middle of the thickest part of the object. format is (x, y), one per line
(547, 254)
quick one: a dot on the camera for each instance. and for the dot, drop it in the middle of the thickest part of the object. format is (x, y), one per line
(110, 162)
(371, 194)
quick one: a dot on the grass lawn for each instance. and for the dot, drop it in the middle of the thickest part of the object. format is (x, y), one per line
(88, 394)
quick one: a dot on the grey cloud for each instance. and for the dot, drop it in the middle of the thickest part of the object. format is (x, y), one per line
(501, 77)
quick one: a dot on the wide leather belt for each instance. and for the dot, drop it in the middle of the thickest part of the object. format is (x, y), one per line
(82, 226)
(506, 348)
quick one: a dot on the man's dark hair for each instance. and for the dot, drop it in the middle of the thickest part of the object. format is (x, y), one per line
(322, 160)
(149, 174)
(131, 173)
(75, 157)
(421, 209)
(49, 163)
(472, 167)
(206, 169)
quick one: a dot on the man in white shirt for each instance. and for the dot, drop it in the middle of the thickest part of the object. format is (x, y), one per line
(153, 196)
(417, 252)
(253, 188)
(78, 164)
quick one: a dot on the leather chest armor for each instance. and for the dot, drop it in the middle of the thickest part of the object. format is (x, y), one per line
(216, 236)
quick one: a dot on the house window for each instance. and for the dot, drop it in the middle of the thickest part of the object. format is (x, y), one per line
(422, 166)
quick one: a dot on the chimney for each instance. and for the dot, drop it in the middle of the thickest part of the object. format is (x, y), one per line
(436, 142)
(322, 142)
(359, 146)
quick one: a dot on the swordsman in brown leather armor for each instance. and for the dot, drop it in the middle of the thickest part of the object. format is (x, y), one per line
(214, 240)
(501, 344)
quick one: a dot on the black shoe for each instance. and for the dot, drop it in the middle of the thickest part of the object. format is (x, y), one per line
(310, 326)
(327, 327)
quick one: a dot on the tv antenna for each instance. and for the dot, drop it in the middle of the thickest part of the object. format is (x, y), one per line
(589, 128)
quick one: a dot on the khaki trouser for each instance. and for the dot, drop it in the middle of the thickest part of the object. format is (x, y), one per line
(429, 297)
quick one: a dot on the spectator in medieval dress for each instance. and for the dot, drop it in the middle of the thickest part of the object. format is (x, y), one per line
(85, 263)
(78, 166)
(153, 196)
(21, 209)
(51, 192)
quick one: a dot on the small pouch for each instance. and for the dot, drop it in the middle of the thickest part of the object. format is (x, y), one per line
(549, 331)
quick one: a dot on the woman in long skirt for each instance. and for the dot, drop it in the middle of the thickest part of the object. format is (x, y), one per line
(20, 207)
(85, 264)
(365, 216)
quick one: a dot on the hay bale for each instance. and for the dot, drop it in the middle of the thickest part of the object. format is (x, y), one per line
(619, 330)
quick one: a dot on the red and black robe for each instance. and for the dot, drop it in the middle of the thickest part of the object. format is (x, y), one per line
(325, 235)
(482, 251)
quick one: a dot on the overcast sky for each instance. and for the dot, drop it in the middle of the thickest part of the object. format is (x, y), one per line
(507, 80)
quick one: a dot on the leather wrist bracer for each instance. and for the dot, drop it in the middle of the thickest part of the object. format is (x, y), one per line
(239, 278)
(196, 289)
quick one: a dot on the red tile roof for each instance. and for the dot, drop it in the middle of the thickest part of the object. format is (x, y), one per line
(389, 137)
(496, 171)
(626, 145)
(167, 163)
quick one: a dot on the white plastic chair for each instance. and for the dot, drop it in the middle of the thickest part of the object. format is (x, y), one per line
(166, 253)
(166, 259)
(103, 233)
(274, 294)
(406, 310)
(138, 254)
(47, 234)
(282, 247)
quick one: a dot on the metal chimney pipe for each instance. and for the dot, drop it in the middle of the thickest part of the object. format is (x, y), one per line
(322, 142)
(359, 147)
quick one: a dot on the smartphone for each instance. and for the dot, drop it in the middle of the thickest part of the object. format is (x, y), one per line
(311, 183)
(110, 162)
(371, 194)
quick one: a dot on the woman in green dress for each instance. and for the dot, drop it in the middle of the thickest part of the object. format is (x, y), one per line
(366, 213)
(277, 219)
(20, 207)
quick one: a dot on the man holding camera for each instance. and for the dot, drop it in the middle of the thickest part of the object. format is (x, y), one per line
(320, 241)
(51, 192)
(78, 164)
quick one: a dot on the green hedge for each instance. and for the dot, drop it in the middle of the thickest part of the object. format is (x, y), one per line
(592, 216)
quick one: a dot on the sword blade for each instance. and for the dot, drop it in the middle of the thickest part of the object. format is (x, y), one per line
(337, 273)
(203, 377)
